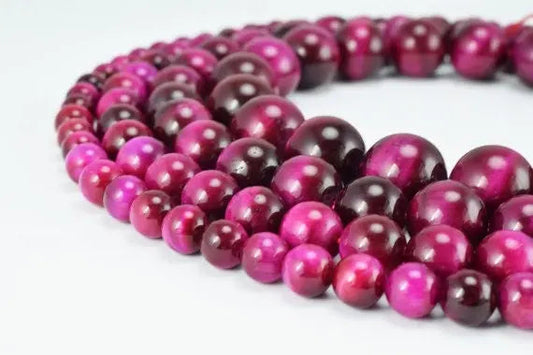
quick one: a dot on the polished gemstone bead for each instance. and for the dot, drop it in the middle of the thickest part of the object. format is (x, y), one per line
(136, 53)
(92, 78)
(244, 63)
(305, 178)
(181, 74)
(222, 244)
(203, 141)
(70, 126)
(312, 223)
(119, 195)
(516, 300)
(183, 227)
(359, 280)
(245, 35)
(220, 47)
(80, 100)
(227, 32)
(121, 132)
(284, 27)
(412, 290)
(116, 113)
(332, 139)
(515, 214)
(457, 28)
(331, 23)
(106, 70)
(143, 70)
(262, 257)
(137, 154)
(469, 297)
(175, 48)
(495, 173)
(409, 161)
(167, 92)
(451, 203)
(80, 156)
(158, 45)
(374, 235)
(77, 138)
(84, 88)
(440, 23)
(199, 59)
(200, 39)
(95, 177)
(156, 57)
(390, 30)
(522, 56)
(147, 212)
(70, 112)
(120, 61)
(170, 172)
(128, 81)
(117, 96)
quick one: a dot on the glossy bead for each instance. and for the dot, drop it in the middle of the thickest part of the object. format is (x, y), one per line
(409, 161)
(262, 257)
(183, 227)
(282, 60)
(495, 173)
(308, 270)
(220, 47)
(312, 223)
(70, 112)
(251, 161)
(180, 74)
(211, 191)
(77, 138)
(203, 141)
(167, 92)
(117, 96)
(516, 300)
(244, 63)
(95, 177)
(106, 70)
(200, 39)
(137, 154)
(374, 235)
(156, 57)
(371, 195)
(440, 23)
(451, 203)
(147, 212)
(412, 290)
(304, 178)
(515, 214)
(70, 126)
(245, 35)
(136, 53)
(504, 253)
(170, 172)
(390, 30)
(80, 100)
(143, 70)
(359, 280)
(128, 81)
(257, 209)
(120, 61)
(176, 47)
(199, 59)
(418, 49)
(84, 88)
(119, 195)
(332, 139)
(116, 113)
(469, 297)
(80, 156)
(222, 244)
(522, 55)
(284, 27)
(269, 117)
(318, 53)
(92, 78)
(121, 132)
(331, 24)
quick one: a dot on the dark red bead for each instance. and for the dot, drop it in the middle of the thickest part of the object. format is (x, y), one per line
(222, 244)
(331, 23)
(80, 100)
(176, 47)
(167, 92)
(77, 138)
(128, 81)
(181, 74)
(244, 63)
(121, 132)
(95, 177)
(106, 70)
(200, 39)
(522, 56)
(156, 57)
(118, 96)
(390, 30)
(116, 113)
(92, 78)
(220, 47)
(86, 89)
(199, 59)
(70, 126)
(515, 214)
(147, 212)
(242, 37)
(69, 112)
(170, 172)
(281, 29)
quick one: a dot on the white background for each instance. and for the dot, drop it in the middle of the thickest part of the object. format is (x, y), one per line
(74, 281)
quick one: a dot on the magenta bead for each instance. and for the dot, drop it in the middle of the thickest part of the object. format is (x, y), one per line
(220, 47)
(412, 290)
(175, 48)
(137, 154)
(170, 172)
(95, 177)
(245, 35)
(106, 70)
(69, 112)
(80, 156)
(515, 214)
(77, 138)
(119, 195)
(331, 24)
(183, 227)
(244, 63)
(84, 88)
(222, 244)
(522, 56)
(180, 74)
(516, 300)
(70, 126)
(390, 30)
(92, 78)
(308, 270)
(263, 255)
(156, 57)
(143, 70)
(200, 39)
(116, 113)
(117, 96)
(128, 81)
(122, 132)
(147, 212)
(168, 92)
(199, 59)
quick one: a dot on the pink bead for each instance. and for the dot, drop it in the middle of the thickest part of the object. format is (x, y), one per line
(80, 156)
(200, 39)
(137, 154)
(516, 300)
(147, 212)
(136, 54)
(522, 55)
(390, 30)
(183, 227)
(119, 195)
(175, 48)
(170, 172)
(106, 70)
(331, 23)
(122, 132)
(242, 37)
(244, 63)
(70, 126)
(167, 92)
(120, 61)
(86, 89)
(308, 270)
(262, 257)
(143, 70)
(117, 96)
(80, 100)
(515, 214)
(220, 46)
(156, 57)
(95, 177)
(199, 59)
(412, 290)
(359, 280)
(129, 81)
(180, 74)
(222, 244)
(69, 112)
(116, 113)
(77, 138)
(312, 223)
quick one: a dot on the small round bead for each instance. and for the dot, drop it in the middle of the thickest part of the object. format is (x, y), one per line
(156, 57)
(409, 161)
(120, 133)
(374, 235)
(117, 96)
(80, 156)
(242, 37)
(69, 112)
(199, 59)
(318, 53)
(305, 178)
(176, 47)
(116, 113)
(80, 100)
(220, 47)
(86, 89)
(143, 70)
(180, 74)
(170, 172)
(137, 154)
(183, 227)
(222, 244)
(516, 300)
(504, 253)
(77, 138)
(263, 255)
(495, 173)
(70, 126)
(332, 139)
(331, 24)
(92, 78)
(95, 177)
(244, 63)
(515, 214)
(106, 70)
(312, 223)
(522, 55)
(359, 280)
(203, 141)
(147, 212)
(469, 297)
(412, 290)
(167, 92)
(119, 195)
(128, 81)
(308, 270)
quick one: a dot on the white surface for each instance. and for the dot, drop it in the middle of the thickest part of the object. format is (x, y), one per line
(74, 281)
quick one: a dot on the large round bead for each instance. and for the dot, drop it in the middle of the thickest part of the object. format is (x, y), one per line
(80, 156)
(95, 177)
(167, 92)
(147, 212)
(220, 46)
(244, 63)
(263, 255)
(137, 154)
(522, 55)
(119, 195)
(117, 96)
(70, 126)
(170, 172)
(331, 23)
(129, 81)
(77, 138)
(143, 70)
(122, 132)
(116, 113)
(515, 214)
(516, 300)
(222, 243)
(181, 74)
(183, 227)
(199, 59)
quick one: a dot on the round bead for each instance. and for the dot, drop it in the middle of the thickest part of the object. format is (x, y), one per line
(262, 257)
(143, 70)
(522, 55)
(390, 30)
(137, 154)
(95, 177)
(244, 63)
(69, 112)
(128, 81)
(516, 300)
(156, 57)
(70, 126)
(220, 46)
(167, 92)
(180, 74)
(120, 133)
(515, 214)
(80, 156)
(116, 113)
(106, 70)
(176, 47)
(170, 172)
(331, 24)
(147, 212)
(281, 29)
(119, 195)
(308, 270)
(77, 138)
(222, 244)
(92, 78)
(359, 280)
(199, 59)
(80, 100)
(183, 227)
(83, 88)
(117, 96)
(248, 34)
(200, 39)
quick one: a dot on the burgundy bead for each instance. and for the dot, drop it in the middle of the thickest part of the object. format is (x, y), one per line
(159, 45)
(312, 223)
(147, 212)
(176, 48)
(136, 54)
(80, 156)
(137, 154)
(70, 126)
(200, 39)
(332, 139)
(451, 203)
(180, 74)
(156, 57)
(242, 37)
(359, 280)
(331, 23)
(390, 30)
(183, 227)
(120, 61)
(516, 300)
(263, 255)
(121, 132)
(117, 96)
(143, 70)
(269, 117)
(220, 47)
(80, 100)
(495, 173)
(409, 161)
(304, 178)
(170, 172)
(244, 63)
(167, 92)
(116, 113)
(95, 177)
(77, 138)
(128, 81)
(222, 244)
(374, 235)
(119, 195)
(284, 27)
(318, 53)
(92, 78)
(469, 298)
(522, 56)
(203, 141)
(440, 23)
(106, 70)
(70, 112)
(515, 214)
(84, 88)
(199, 59)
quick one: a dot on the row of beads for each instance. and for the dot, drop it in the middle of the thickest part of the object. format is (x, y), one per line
(193, 142)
